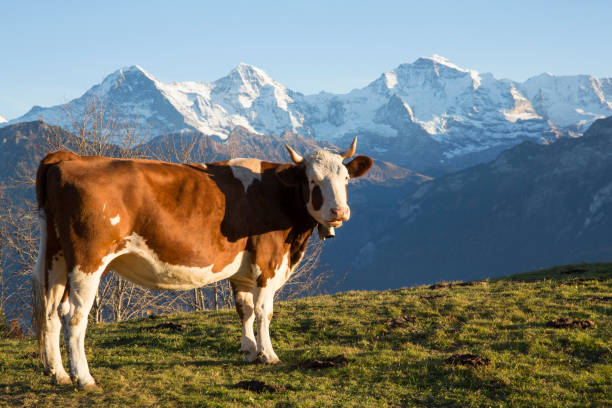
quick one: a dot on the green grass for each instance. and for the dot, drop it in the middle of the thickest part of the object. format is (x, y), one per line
(505, 320)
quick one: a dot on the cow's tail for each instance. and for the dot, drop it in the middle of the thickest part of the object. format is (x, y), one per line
(39, 274)
(39, 297)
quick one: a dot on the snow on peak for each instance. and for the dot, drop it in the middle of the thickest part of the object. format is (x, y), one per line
(132, 73)
(3, 119)
(434, 62)
(247, 83)
(444, 61)
(250, 73)
(121, 73)
(390, 79)
(568, 100)
(522, 109)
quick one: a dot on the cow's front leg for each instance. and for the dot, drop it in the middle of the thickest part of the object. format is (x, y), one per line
(264, 297)
(246, 311)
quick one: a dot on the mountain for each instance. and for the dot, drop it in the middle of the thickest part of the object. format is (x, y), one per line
(3, 119)
(246, 97)
(22, 148)
(429, 115)
(534, 206)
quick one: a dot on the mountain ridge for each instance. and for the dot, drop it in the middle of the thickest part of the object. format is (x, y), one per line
(533, 206)
(459, 116)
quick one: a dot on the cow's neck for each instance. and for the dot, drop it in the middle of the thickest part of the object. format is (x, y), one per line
(303, 225)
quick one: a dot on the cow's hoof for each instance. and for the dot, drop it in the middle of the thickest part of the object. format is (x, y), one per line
(61, 379)
(91, 387)
(265, 359)
(250, 357)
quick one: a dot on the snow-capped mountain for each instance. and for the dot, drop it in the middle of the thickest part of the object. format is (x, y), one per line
(570, 102)
(421, 115)
(246, 97)
(3, 119)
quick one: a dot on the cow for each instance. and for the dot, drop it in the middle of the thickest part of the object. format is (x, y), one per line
(176, 226)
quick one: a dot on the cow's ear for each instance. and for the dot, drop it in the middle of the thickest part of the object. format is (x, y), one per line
(290, 174)
(359, 166)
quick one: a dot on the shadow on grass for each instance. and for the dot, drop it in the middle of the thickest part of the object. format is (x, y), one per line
(166, 340)
(438, 377)
(165, 365)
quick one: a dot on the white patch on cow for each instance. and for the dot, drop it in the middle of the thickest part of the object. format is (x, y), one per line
(104, 207)
(246, 170)
(115, 220)
(328, 172)
(140, 264)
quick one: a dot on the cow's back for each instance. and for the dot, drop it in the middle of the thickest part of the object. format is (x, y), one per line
(180, 215)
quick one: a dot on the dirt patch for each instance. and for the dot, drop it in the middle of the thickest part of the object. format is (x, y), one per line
(260, 386)
(473, 360)
(170, 326)
(399, 321)
(313, 363)
(568, 322)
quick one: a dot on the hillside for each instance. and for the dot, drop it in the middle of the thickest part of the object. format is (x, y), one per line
(534, 206)
(396, 342)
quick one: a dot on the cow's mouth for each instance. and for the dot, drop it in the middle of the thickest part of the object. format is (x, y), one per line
(335, 224)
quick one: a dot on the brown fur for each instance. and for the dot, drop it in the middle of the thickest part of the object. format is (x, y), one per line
(189, 215)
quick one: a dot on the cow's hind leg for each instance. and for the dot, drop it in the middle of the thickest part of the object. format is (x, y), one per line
(56, 305)
(83, 288)
(49, 286)
(246, 311)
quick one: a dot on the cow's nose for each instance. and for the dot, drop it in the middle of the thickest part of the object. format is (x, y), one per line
(340, 213)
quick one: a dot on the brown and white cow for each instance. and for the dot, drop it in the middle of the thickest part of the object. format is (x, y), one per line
(176, 226)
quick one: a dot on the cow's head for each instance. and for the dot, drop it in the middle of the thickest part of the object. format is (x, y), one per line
(323, 178)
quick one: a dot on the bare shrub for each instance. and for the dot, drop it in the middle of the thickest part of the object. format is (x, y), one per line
(307, 279)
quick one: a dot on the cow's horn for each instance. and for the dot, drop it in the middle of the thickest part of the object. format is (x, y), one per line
(294, 156)
(351, 151)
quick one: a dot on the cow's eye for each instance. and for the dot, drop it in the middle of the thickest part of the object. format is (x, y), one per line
(312, 182)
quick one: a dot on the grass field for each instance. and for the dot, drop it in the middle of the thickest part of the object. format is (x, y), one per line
(396, 342)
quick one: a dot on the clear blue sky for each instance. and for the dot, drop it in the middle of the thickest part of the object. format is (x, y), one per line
(53, 51)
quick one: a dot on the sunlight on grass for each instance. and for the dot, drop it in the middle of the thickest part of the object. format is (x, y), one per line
(396, 342)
